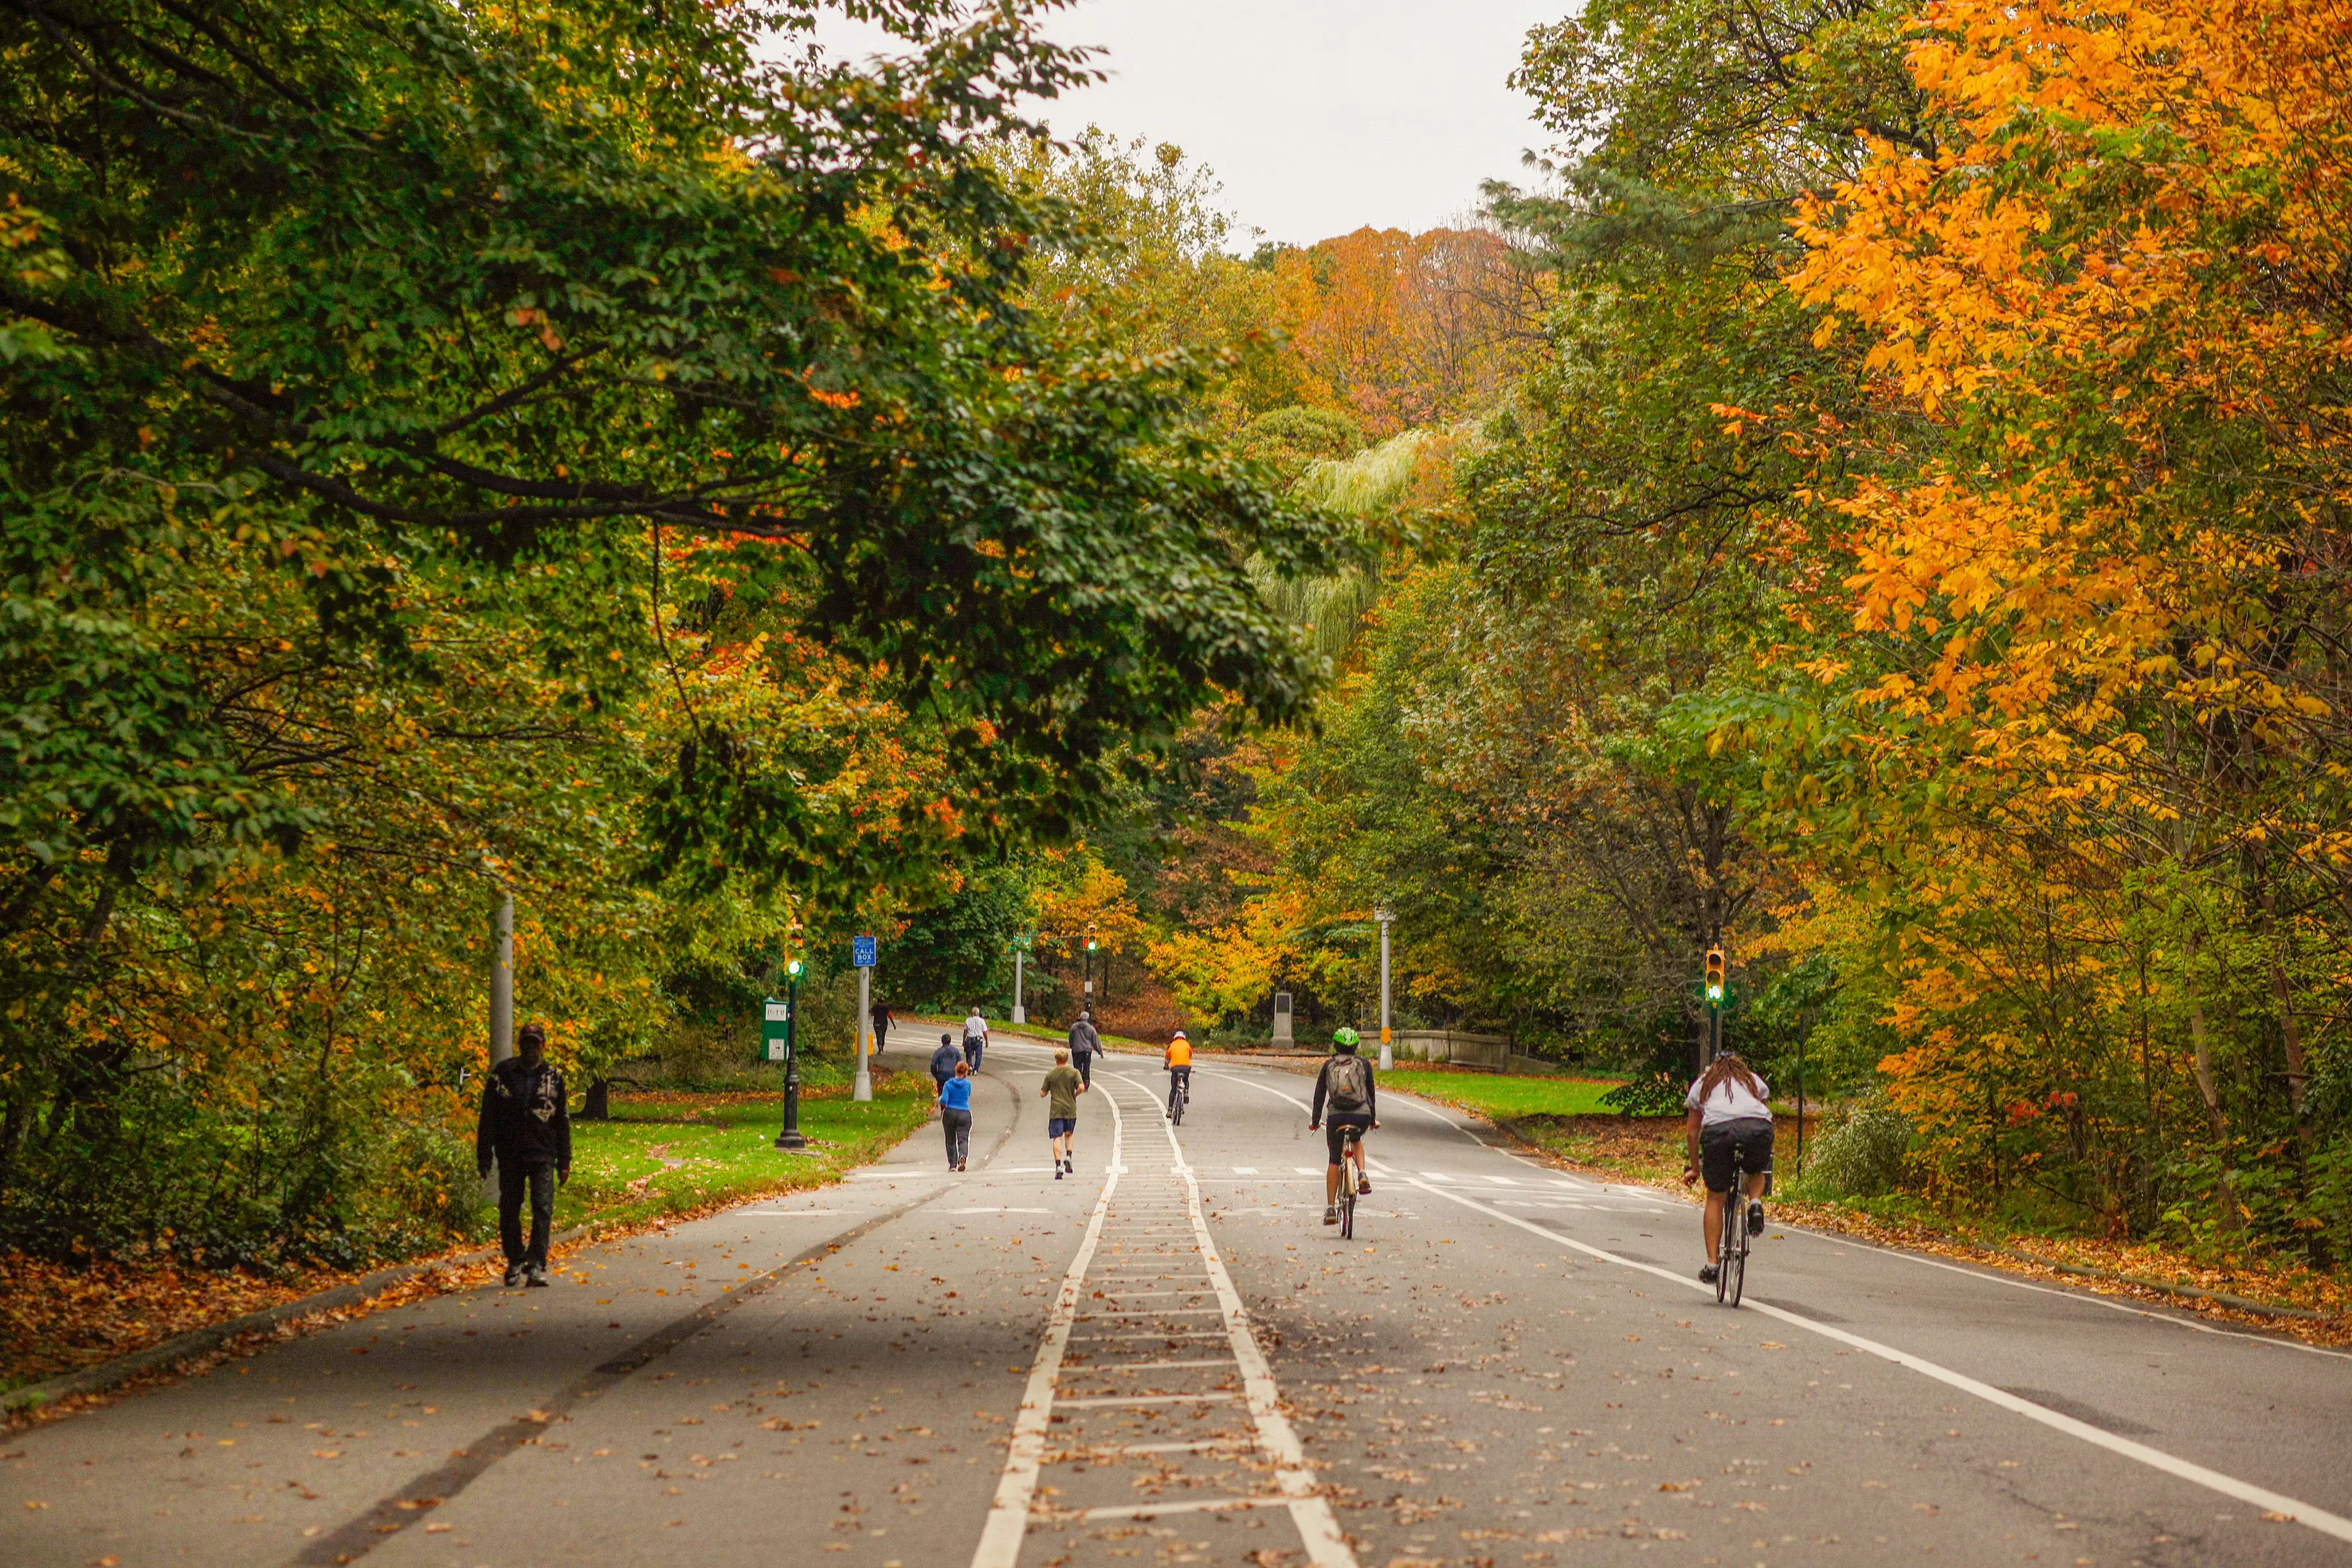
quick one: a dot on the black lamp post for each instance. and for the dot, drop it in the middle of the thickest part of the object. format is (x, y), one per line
(1088, 963)
(791, 1137)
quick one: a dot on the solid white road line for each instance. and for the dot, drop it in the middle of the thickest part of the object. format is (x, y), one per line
(1008, 1514)
(1204, 1505)
(1310, 1510)
(2302, 1512)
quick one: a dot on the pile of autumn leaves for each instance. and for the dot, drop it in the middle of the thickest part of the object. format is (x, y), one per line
(2088, 642)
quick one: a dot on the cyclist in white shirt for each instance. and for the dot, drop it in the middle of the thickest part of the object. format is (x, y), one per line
(1728, 1108)
(975, 1038)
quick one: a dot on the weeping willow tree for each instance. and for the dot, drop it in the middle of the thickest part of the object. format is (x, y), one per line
(1375, 488)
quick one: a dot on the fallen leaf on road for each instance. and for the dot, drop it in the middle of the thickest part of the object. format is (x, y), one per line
(326, 1453)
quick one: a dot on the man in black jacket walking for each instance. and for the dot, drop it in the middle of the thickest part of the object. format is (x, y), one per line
(527, 1128)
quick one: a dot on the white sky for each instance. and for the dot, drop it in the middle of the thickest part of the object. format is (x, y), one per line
(1319, 116)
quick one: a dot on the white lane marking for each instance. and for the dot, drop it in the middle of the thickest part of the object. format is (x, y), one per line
(996, 1211)
(1310, 1510)
(2304, 1513)
(2092, 1297)
(1307, 1170)
(2317, 1519)
(1008, 1513)
(1504, 1181)
(1156, 1312)
(1205, 1505)
(1245, 1170)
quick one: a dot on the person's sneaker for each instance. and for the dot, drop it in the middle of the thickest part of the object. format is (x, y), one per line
(1706, 1275)
(1363, 1185)
(1057, 1173)
(536, 1275)
(514, 1275)
(1331, 1213)
(1756, 1217)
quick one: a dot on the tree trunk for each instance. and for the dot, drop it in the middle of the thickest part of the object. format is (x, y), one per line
(2225, 1199)
(597, 1105)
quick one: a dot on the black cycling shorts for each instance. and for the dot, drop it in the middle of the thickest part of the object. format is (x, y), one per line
(1336, 1120)
(1753, 1137)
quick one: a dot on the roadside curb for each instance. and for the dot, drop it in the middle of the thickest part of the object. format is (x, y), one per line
(169, 1355)
(195, 1342)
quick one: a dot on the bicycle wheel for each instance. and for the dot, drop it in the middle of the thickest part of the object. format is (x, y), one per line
(1734, 1272)
(1176, 1106)
(1347, 1207)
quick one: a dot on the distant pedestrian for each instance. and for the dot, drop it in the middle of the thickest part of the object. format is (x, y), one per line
(882, 1021)
(955, 1116)
(945, 1060)
(1063, 1087)
(1084, 1041)
(975, 1038)
(526, 1128)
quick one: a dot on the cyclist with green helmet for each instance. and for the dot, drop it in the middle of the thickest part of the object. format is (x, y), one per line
(1344, 1088)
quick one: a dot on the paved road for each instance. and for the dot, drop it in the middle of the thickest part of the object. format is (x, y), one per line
(1169, 1360)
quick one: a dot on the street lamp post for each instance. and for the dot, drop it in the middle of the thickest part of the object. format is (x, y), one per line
(1385, 915)
(791, 1137)
(1020, 952)
(1087, 965)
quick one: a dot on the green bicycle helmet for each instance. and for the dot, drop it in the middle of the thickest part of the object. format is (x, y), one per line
(1345, 1038)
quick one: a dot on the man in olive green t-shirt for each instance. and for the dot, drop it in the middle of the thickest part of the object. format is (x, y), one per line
(1063, 1087)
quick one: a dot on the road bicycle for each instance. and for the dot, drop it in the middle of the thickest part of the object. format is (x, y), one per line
(1731, 1249)
(1350, 1156)
(1177, 1086)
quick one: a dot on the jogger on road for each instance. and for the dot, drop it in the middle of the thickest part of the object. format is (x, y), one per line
(1063, 1087)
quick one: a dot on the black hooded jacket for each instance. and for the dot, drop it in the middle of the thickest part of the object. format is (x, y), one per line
(524, 1118)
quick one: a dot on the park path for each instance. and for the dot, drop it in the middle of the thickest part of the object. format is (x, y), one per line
(1168, 1359)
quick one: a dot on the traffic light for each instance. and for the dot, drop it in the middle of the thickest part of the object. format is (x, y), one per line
(1715, 973)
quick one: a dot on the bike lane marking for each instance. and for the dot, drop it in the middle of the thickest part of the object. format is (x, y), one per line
(2290, 1508)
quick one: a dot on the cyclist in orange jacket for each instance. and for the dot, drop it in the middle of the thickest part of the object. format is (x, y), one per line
(1179, 1061)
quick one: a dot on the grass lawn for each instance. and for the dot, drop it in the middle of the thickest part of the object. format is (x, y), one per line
(672, 1152)
(1502, 1095)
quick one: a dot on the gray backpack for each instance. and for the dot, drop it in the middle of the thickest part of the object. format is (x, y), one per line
(1351, 1084)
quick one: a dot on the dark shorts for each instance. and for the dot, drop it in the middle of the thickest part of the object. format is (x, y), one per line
(1056, 1126)
(1338, 1120)
(1754, 1140)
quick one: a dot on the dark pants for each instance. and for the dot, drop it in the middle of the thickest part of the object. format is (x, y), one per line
(541, 1178)
(971, 1049)
(957, 1125)
(1085, 1062)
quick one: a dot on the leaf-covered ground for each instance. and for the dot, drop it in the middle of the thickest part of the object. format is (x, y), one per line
(661, 1155)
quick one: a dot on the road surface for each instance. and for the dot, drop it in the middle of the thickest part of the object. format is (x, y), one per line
(1168, 1359)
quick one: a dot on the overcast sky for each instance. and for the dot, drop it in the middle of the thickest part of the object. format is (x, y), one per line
(1319, 116)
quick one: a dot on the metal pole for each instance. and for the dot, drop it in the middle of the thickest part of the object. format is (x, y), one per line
(1388, 1056)
(1020, 1013)
(865, 1087)
(790, 1137)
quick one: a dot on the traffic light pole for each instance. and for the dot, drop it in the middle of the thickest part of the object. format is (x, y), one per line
(791, 1137)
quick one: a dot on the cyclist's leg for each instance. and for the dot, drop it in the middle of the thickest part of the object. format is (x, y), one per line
(1356, 1152)
(1712, 1225)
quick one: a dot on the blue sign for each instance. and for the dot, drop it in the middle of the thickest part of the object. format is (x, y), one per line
(861, 952)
